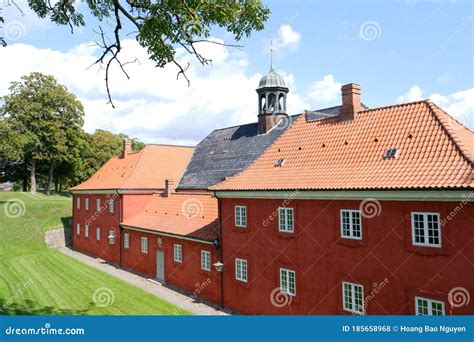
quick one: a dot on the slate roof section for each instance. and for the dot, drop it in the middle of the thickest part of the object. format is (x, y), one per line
(191, 215)
(146, 169)
(434, 151)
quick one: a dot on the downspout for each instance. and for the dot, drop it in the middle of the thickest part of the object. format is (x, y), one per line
(120, 227)
(219, 213)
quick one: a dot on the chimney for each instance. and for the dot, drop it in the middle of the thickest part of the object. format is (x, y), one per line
(169, 187)
(351, 104)
(127, 147)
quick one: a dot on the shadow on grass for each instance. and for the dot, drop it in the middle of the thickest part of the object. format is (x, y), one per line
(31, 308)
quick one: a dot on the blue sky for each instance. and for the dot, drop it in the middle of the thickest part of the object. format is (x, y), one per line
(397, 51)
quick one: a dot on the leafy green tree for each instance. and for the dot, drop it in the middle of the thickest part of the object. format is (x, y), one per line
(159, 26)
(47, 116)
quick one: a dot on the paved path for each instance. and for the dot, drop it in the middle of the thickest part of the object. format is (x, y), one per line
(181, 300)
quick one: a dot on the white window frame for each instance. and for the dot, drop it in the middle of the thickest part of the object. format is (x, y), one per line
(351, 227)
(144, 245)
(352, 290)
(177, 252)
(86, 231)
(285, 228)
(285, 278)
(240, 216)
(429, 306)
(86, 203)
(97, 233)
(111, 233)
(425, 229)
(205, 260)
(111, 206)
(97, 204)
(126, 240)
(241, 270)
(78, 203)
(78, 229)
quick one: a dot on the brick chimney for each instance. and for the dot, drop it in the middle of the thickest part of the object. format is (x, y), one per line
(351, 104)
(127, 147)
(169, 187)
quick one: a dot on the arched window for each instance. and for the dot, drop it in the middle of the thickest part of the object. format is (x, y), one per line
(272, 102)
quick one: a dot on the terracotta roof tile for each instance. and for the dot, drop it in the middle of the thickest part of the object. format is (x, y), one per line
(184, 214)
(434, 151)
(146, 169)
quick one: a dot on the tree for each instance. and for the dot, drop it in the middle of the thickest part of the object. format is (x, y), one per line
(160, 26)
(47, 116)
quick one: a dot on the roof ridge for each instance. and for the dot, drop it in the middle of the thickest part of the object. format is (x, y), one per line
(170, 145)
(263, 152)
(393, 105)
(449, 130)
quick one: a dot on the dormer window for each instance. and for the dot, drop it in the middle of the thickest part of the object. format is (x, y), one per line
(279, 162)
(391, 153)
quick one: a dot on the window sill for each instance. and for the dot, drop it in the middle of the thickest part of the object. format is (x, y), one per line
(351, 242)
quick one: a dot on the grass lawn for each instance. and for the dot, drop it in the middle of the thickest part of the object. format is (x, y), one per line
(36, 280)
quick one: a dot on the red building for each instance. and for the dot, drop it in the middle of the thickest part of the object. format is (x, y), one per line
(369, 212)
(343, 210)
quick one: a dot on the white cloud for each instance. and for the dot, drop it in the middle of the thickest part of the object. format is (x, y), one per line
(287, 38)
(414, 94)
(459, 104)
(325, 92)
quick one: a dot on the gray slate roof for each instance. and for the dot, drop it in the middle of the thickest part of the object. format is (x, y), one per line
(227, 151)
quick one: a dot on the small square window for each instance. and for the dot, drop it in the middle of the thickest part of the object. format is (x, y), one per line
(98, 205)
(288, 281)
(426, 229)
(86, 205)
(78, 203)
(98, 233)
(111, 206)
(206, 260)
(87, 230)
(286, 220)
(429, 307)
(241, 270)
(126, 241)
(78, 229)
(240, 216)
(351, 224)
(353, 298)
(144, 245)
(178, 253)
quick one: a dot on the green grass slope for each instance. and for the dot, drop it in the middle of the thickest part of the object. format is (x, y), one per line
(36, 280)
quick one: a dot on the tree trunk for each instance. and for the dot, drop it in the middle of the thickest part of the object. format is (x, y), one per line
(60, 184)
(25, 183)
(33, 177)
(50, 179)
(56, 184)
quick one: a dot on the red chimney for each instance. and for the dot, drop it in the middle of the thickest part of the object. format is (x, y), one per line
(169, 187)
(351, 104)
(127, 147)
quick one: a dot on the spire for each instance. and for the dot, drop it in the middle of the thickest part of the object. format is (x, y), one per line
(271, 54)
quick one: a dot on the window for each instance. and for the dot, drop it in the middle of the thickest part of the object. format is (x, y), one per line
(111, 206)
(288, 281)
(353, 298)
(87, 203)
(178, 253)
(78, 203)
(426, 229)
(240, 216)
(111, 234)
(144, 245)
(78, 229)
(206, 260)
(351, 224)
(87, 230)
(97, 201)
(428, 307)
(97, 233)
(285, 220)
(126, 240)
(391, 153)
(241, 269)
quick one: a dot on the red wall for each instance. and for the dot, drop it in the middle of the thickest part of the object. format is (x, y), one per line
(322, 260)
(187, 274)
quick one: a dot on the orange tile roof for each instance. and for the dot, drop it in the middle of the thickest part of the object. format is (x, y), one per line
(434, 151)
(146, 169)
(184, 214)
